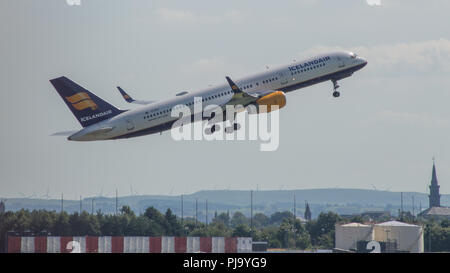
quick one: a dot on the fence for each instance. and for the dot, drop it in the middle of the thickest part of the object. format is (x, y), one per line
(127, 244)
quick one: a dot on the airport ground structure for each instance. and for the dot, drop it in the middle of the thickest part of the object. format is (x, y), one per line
(127, 244)
(391, 236)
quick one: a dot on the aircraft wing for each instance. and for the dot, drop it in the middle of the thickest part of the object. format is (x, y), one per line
(64, 133)
(261, 93)
(253, 94)
(264, 96)
(129, 99)
(239, 96)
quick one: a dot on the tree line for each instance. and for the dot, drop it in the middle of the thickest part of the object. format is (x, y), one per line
(279, 230)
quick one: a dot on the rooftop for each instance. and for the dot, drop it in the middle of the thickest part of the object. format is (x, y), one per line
(444, 211)
(355, 225)
(395, 223)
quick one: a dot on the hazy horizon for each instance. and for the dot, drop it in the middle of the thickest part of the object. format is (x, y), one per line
(392, 117)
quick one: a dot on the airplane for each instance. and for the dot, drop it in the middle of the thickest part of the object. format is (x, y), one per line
(103, 121)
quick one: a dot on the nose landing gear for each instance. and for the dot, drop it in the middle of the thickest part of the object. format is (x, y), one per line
(336, 93)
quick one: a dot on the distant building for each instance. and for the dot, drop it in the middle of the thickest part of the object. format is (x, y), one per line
(392, 236)
(376, 215)
(435, 210)
(2, 207)
(307, 212)
(301, 219)
(435, 197)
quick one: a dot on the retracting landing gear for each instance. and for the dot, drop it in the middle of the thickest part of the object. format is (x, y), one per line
(336, 93)
(235, 126)
(212, 129)
(230, 129)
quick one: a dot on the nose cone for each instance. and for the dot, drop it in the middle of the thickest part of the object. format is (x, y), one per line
(363, 61)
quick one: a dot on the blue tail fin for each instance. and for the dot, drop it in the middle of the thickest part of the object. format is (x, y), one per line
(125, 96)
(87, 107)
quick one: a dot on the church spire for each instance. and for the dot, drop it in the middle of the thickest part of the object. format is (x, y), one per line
(435, 197)
(433, 175)
(307, 212)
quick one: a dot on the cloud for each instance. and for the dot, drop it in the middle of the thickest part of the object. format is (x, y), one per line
(411, 58)
(373, 2)
(173, 16)
(412, 118)
(206, 65)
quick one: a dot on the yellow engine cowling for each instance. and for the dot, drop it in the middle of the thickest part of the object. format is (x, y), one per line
(277, 98)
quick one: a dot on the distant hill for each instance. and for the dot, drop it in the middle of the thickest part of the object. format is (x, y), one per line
(343, 201)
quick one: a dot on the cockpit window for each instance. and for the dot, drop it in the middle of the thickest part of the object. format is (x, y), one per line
(353, 55)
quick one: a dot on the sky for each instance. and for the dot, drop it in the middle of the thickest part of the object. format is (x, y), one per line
(392, 117)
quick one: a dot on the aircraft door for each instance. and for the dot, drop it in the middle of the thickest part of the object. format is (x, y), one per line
(283, 78)
(340, 62)
(130, 125)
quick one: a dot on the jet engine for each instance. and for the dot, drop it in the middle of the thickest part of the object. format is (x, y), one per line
(266, 104)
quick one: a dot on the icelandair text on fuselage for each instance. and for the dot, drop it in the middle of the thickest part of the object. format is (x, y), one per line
(86, 118)
(310, 63)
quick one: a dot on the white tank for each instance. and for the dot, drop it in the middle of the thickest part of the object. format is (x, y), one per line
(348, 235)
(408, 237)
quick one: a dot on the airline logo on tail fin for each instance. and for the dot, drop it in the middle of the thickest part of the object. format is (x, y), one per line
(85, 105)
(81, 101)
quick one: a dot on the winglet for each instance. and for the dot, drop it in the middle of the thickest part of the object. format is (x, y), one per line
(234, 87)
(125, 96)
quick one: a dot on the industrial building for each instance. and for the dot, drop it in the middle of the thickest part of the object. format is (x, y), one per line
(348, 235)
(392, 236)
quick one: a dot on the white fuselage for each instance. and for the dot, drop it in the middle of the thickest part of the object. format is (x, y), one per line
(156, 117)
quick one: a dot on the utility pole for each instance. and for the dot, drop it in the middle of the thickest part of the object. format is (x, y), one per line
(295, 214)
(182, 210)
(116, 201)
(196, 211)
(251, 212)
(401, 204)
(413, 205)
(206, 212)
(62, 202)
(92, 206)
(80, 204)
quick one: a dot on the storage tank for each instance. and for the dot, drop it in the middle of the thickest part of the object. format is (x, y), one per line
(408, 237)
(348, 235)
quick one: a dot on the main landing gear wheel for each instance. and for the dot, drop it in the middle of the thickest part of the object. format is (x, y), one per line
(210, 131)
(231, 129)
(336, 93)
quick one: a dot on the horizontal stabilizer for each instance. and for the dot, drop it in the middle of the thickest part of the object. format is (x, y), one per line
(101, 131)
(129, 99)
(64, 133)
